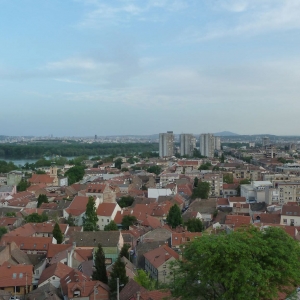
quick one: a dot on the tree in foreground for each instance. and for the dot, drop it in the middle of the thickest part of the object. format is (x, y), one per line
(111, 226)
(57, 234)
(201, 191)
(23, 185)
(118, 271)
(194, 225)
(174, 217)
(124, 251)
(3, 230)
(125, 201)
(70, 220)
(42, 199)
(143, 279)
(100, 267)
(246, 264)
(128, 221)
(36, 218)
(90, 219)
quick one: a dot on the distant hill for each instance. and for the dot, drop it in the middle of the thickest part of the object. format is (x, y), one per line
(225, 133)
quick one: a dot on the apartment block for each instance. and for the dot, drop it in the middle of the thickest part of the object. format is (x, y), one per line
(187, 144)
(207, 144)
(166, 144)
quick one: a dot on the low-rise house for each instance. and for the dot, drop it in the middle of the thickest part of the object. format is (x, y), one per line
(235, 221)
(7, 190)
(16, 279)
(111, 242)
(290, 215)
(266, 218)
(182, 238)
(106, 213)
(234, 200)
(241, 208)
(53, 274)
(222, 202)
(43, 178)
(77, 285)
(230, 189)
(157, 263)
(104, 192)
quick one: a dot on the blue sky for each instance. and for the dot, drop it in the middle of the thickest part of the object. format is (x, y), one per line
(85, 67)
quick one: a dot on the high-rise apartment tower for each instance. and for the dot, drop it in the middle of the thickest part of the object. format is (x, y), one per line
(207, 144)
(166, 144)
(187, 144)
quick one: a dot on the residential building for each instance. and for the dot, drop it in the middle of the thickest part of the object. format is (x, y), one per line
(187, 144)
(215, 181)
(166, 144)
(207, 144)
(106, 213)
(265, 141)
(14, 177)
(217, 143)
(256, 191)
(157, 263)
(7, 190)
(290, 215)
(103, 191)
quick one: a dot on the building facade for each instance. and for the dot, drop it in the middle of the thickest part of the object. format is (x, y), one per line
(207, 144)
(166, 144)
(187, 144)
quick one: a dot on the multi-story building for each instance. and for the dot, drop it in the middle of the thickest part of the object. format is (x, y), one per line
(166, 144)
(207, 144)
(215, 181)
(265, 141)
(187, 144)
(217, 143)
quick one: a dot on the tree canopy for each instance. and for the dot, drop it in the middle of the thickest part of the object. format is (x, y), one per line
(57, 234)
(174, 217)
(42, 199)
(75, 174)
(3, 230)
(23, 185)
(194, 225)
(201, 191)
(205, 166)
(124, 251)
(36, 218)
(100, 267)
(125, 201)
(228, 178)
(111, 226)
(143, 279)
(154, 169)
(90, 219)
(245, 264)
(128, 221)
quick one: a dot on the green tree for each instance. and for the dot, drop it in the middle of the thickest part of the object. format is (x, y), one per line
(124, 251)
(201, 191)
(125, 201)
(143, 279)
(118, 271)
(222, 158)
(111, 226)
(36, 218)
(40, 172)
(100, 267)
(75, 174)
(154, 169)
(23, 185)
(57, 234)
(194, 225)
(90, 219)
(10, 214)
(3, 231)
(118, 162)
(70, 220)
(42, 199)
(196, 181)
(228, 178)
(128, 221)
(205, 166)
(241, 265)
(174, 217)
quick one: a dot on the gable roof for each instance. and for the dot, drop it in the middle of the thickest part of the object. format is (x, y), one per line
(54, 249)
(184, 237)
(106, 209)
(77, 206)
(237, 220)
(160, 255)
(59, 270)
(92, 239)
(41, 178)
(15, 275)
(28, 243)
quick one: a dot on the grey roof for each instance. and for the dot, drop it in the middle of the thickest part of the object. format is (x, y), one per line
(45, 292)
(6, 188)
(20, 257)
(92, 239)
(157, 235)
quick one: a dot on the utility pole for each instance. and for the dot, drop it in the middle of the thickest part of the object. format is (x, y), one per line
(118, 283)
(26, 284)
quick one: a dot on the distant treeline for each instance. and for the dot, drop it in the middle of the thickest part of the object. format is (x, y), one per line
(37, 150)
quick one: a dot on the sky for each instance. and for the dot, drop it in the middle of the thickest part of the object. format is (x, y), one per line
(119, 67)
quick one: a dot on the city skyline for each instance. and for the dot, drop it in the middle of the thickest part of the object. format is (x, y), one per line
(85, 67)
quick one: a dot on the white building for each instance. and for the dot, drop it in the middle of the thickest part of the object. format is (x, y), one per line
(187, 144)
(256, 191)
(207, 144)
(106, 213)
(166, 144)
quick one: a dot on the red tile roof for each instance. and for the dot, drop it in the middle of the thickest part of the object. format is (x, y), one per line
(77, 206)
(106, 209)
(41, 178)
(237, 220)
(184, 237)
(53, 249)
(19, 275)
(59, 269)
(28, 243)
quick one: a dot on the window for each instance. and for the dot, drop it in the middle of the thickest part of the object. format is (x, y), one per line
(284, 221)
(14, 275)
(107, 220)
(21, 275)
(37, 272)
(18, 289)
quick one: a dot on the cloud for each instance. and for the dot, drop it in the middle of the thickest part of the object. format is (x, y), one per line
(101, 13)
(246, 17)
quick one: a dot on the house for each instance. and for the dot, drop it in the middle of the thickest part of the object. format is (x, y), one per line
(46, 179)
(234, 200)
(155, 193)
(16, 279)
(106, 213)
(230, 189)
(235, 221)
(45, 292)
(241, 208)
(77, 209)
(77, 285)
(290, 215)
(222, 202)
(53, 274)
(157, 263)
(111, 242)
(7, 190)
(103, 191)
(182, 238)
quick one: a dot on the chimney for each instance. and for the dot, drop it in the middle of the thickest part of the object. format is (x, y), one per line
(138, 294)
(167, 256)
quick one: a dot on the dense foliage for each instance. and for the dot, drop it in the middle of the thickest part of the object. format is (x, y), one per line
(111, 226)
(228, 178)
(90, 219)
(72, 148)
(128, 221)
(201, 191)
(100, 267)
(57, 234)
(75, 174)
(23, 185)
(144, 279)
(154, 169)
(42, 199)
(36, 218)
(246, 264)
(6, 167)
(205, 166)
(3, 230)
(125, 201)
(124, 251)
(174, 217)
(194, 225)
